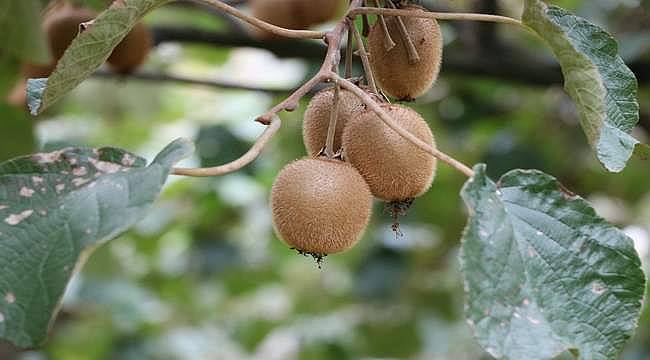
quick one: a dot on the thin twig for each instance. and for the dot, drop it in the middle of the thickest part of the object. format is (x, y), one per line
(364, 57)
(160, 77)
(276, 30)
(388, 120)
(412, 52)
(244, 160)
(332, 58)
(435, 15)
(349, 55)
(389, 44)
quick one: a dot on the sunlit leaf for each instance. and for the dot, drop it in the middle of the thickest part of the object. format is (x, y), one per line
(602, 86)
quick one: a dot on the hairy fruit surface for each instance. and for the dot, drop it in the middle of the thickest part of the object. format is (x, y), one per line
(320, 206)
(394, 168)
(317, 118)
(392, 69)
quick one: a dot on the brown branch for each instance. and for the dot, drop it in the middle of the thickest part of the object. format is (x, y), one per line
(435, 15)
(390, 122)
(276, 30)
(244, 160)
(159, 77)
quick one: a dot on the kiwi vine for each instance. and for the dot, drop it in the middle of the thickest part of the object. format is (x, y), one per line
(359, 144)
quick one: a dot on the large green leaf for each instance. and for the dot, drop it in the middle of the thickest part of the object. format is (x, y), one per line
(595, 76)
(88, 51)
(55, 208)
(20, 35)
(543, 272)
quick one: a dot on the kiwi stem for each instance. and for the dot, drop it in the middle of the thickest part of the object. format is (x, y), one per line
(388, 120)
(364, 57)
(276, 30)
(349, 55)
(413, 55)
(389, 44)
(235, 165)
(331, 130)
(435, 15)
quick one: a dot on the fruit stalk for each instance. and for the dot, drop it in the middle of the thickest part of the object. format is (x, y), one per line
(364, 57)
(414, 57)
(388, 40)
(374, 106)
(331, 130)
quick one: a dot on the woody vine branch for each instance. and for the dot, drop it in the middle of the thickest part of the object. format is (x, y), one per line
(333, 40)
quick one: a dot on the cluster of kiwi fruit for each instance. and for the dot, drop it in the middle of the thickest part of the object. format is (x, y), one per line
(61, 24)
(321, 205)
(294, 14)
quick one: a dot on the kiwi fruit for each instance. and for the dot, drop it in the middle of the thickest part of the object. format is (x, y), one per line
(394, 168)
(320, 206)
(132, 51)
(395, 74)
(62, 26)
(317, 118)
(294, 14)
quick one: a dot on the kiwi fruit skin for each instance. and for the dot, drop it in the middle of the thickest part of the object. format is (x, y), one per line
(61, 25)
(320, 206)
(132, 51)
(395, 75)
(394, 168)
(317, 118)
(293, 14)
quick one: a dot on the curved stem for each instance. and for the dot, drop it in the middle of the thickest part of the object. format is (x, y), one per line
(435, 15)
(244, 160)
(390, 122)
(276, 30)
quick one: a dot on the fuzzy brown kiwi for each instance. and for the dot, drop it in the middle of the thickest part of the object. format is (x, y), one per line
(395, 169)
(62, 26)
(395, 75)
(281, 13)
(317, 118)
(132, 51)
(320, 206)
(314, 14)
(294, 14)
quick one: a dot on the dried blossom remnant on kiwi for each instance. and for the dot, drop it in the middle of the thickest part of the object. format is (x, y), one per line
(318, 257)
(396, 209)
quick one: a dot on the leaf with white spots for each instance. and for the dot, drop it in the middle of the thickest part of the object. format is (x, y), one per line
(543, 272)
(595, 76)
(55, 208)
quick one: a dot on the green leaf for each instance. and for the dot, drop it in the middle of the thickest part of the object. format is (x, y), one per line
(20, 35)
(55, 209)
(88, 51)
(543, 272)
(595, 76)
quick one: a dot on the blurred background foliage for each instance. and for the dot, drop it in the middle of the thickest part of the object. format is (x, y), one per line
(204, 277)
